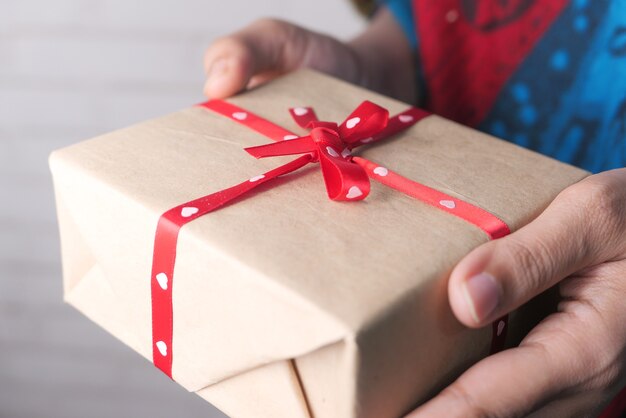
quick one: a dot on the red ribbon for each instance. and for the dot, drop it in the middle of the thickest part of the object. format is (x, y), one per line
(346, 178)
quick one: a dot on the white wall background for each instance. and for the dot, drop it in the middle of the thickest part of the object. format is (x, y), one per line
(69, 70)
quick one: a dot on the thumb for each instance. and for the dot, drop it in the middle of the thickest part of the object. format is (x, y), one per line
(265, 45)
(501, 275)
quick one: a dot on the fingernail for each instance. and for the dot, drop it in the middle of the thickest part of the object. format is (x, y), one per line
(216, 72)
(482, 294)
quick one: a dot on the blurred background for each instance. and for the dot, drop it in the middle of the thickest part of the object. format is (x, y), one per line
(70, 70)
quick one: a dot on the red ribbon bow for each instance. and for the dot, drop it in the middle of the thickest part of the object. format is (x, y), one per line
(331, 145)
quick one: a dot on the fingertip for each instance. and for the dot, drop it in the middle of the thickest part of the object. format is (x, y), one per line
(461, 306)
(226, 77)
(473, 293)
(228, 65)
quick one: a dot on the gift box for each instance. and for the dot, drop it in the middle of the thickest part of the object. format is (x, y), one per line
(281, 302)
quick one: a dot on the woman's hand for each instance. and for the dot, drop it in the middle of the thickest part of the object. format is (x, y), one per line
(574, 361)
(379, 59)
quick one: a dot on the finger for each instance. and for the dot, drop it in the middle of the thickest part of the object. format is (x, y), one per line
(563, 358)
(501, 275)
(511, 383)
(262, 78)
(265, 46)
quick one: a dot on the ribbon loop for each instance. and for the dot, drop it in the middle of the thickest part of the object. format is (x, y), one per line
(345, 181)
(366, 121)
(330, 144)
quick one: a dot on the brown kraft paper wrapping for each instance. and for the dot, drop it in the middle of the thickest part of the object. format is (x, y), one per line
(288, 304)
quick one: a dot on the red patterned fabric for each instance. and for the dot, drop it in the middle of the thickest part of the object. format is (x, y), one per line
(470, 48)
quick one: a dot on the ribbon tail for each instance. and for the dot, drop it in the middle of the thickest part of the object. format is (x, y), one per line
(345, 181)
(402, 121)
(164, 254)
(288, 147)
(366, 121)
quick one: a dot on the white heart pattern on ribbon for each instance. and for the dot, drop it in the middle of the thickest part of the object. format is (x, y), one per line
(257, 178)
(352, 122)
(346, 153)
(240, 115)
(188, 211)
(405, 118)
(300, 111)
(354, 192)
(162, 279)
(501, 326)
(162, 347)
(331, 151)
(289, 137)
(448, 204)
(381, 171)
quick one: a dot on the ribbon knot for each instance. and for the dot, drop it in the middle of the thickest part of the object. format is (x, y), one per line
(331, 145)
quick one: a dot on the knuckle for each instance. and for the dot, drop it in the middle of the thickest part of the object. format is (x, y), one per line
(580, 365)
(602, 365)
(610, 206)
(530, 267)
(461, 398)
(603, 200)
(610, 375)
(603, 196)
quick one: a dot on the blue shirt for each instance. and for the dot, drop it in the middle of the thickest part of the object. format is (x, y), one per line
(562, 88)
